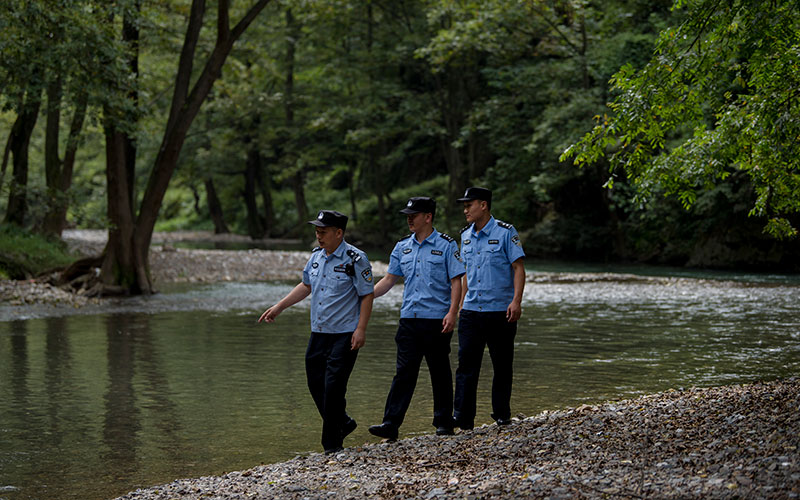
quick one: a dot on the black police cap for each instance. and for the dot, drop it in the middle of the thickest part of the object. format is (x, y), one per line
(419, 204)
(326, 218)
(476, 193)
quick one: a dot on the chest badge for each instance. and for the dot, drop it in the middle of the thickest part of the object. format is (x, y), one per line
(494, 242)
(406, 250)
(436, 252)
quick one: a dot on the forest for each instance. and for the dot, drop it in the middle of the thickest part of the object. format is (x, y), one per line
(654, 131)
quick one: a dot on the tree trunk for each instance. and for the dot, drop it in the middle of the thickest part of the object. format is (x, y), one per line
(58, 172)
(454, 99)
(124, 264)
(19, 142)
(297, 178)
(125, 256)
(351, 178)
(215, 207)
(254, 227)
(300, 197)
(265, 186)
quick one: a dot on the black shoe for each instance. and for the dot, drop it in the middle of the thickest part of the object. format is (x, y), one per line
(385, 430)
(503, 421)
(444, 431)
(464, 426)
(349, 427)
(331, 451)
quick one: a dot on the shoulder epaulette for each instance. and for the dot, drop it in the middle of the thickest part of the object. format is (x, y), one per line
(316, 249)
(465, 228)
(447, 237)
(504, 224)
(354, 256)
(405, 237)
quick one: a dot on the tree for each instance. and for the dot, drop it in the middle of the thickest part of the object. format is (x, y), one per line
(21, 84)
(125, 266)
(718, 97)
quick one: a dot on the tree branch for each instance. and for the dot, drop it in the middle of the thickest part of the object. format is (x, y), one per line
(223, 21)
(186, 61)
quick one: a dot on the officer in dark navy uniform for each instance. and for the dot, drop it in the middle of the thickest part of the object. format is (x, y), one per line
(430, 263)
(338, 277)
(492, 292)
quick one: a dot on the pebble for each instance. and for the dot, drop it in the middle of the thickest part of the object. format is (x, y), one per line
(625, 462)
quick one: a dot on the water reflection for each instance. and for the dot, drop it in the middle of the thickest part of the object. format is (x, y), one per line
(187, 384)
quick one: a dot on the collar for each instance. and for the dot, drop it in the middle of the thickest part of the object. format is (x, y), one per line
(338, 252)
(490, 224)
(430, 239)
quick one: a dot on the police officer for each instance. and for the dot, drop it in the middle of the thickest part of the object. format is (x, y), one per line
(430, 263)
(495, 280)
(338, 277)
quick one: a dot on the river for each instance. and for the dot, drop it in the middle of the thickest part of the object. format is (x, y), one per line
(138, 392)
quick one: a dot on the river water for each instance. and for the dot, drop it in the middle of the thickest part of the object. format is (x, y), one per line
(185, 383)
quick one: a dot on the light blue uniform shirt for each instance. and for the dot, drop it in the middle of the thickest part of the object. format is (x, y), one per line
(335, 304)
(488, 255)
(427, 268)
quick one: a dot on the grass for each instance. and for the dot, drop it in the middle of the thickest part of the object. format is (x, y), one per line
(24, 254)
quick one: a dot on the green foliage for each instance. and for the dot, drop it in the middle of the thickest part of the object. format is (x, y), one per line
(395, 99)
(718, 97)
(24, 254)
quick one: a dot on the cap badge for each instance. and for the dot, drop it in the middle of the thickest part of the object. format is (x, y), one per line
(409, 203)
(320, 216)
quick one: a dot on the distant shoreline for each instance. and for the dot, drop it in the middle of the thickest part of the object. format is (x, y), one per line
(172, 264)
(723, 442)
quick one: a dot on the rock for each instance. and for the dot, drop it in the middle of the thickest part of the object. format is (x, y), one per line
(627, 461)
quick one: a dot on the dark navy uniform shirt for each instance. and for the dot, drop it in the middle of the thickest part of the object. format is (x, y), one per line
(337, 281)
(428, 268)
(488, 255)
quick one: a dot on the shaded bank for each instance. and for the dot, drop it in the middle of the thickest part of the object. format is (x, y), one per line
(725, 442)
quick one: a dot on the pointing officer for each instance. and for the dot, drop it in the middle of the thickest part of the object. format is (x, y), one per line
(492, 293)
(338, 277)
(430, 263)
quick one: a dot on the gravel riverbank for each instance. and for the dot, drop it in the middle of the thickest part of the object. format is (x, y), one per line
(726, 442)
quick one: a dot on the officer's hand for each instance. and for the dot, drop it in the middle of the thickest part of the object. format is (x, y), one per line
(449, 322)
(270, 314)
(513, 312)
(358, 340)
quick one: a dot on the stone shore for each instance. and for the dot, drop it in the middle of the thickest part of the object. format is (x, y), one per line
(718, 443)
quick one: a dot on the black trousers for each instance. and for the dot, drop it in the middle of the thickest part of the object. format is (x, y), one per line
(329, 363)
(476, 330)
(417, 338)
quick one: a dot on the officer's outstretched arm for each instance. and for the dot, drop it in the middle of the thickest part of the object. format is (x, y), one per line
(385, 284)
(297, 294)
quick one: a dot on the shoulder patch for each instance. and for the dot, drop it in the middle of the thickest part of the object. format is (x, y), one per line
(405, 237)
(504, 224)
(316, 249)
(465, 228)
(447, 237)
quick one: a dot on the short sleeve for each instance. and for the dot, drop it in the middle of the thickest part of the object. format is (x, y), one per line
(363, 280)
(455, 265)
(394, 261)
(514, 246)
(306, 269)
